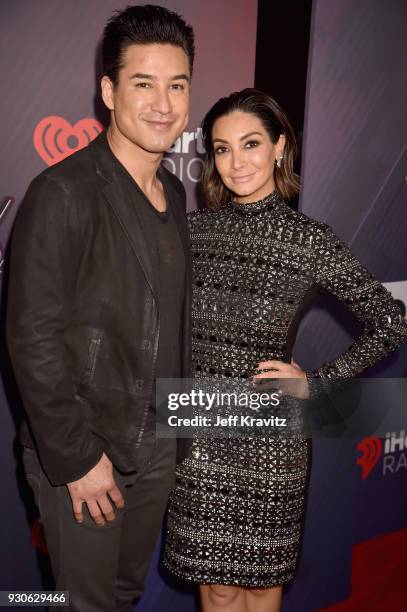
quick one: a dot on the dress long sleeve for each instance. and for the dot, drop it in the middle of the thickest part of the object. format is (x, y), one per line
(339, 272)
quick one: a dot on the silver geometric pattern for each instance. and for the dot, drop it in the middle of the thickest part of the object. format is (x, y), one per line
(236, 513)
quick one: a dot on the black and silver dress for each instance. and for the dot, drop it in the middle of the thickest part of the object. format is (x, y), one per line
(235, 516)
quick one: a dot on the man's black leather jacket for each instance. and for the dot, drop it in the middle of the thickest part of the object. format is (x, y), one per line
(83, 323)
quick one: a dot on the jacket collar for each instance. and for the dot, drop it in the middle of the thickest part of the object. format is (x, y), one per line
(116, 192)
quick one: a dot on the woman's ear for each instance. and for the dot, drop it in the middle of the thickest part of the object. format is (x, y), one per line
(280, 145)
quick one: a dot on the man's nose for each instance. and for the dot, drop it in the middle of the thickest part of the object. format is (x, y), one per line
(162, 101)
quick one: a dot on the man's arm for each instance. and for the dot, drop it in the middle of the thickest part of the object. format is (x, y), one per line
(44, 260)
(44, 264)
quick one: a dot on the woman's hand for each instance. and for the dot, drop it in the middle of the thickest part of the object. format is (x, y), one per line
(292, 379)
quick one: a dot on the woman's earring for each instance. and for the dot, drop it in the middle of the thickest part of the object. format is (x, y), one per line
(279, 160)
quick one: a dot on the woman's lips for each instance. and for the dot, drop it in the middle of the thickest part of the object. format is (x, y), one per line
(242, 179)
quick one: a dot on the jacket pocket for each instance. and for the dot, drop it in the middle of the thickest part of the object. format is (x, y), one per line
(93, 351)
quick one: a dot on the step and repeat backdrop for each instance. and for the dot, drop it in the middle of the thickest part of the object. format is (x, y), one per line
(50, 59)
(354, 168)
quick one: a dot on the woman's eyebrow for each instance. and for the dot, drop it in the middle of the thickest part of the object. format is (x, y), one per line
(241, 138)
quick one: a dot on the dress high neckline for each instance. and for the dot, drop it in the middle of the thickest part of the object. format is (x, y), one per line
(252, 208)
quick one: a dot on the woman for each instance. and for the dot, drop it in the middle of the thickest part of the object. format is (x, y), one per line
(235, 516)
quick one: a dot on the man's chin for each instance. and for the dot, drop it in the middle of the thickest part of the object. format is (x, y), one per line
(158, 147)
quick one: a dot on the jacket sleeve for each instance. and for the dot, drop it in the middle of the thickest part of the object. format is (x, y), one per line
(45, 254)
(340, 273)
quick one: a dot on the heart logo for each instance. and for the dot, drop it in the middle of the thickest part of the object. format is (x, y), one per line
(371, 449)
(55, 138)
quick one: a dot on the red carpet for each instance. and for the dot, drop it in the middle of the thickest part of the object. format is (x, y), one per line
(379, 576)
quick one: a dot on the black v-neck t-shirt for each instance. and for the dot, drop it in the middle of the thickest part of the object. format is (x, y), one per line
(167, 255)
(168, 259)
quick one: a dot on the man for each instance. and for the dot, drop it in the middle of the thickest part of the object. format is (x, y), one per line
(99, 307)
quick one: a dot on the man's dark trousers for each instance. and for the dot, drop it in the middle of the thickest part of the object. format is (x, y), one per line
(103, 568)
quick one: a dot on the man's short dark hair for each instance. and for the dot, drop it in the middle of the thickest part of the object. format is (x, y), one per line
(143, 25)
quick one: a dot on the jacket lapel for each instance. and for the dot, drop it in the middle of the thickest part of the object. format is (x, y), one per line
(119, 196)
(178, 208)
(126, 213)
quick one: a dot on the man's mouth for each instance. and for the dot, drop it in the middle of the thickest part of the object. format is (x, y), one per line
(160, 126)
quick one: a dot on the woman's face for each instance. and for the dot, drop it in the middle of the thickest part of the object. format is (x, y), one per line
(245, 155)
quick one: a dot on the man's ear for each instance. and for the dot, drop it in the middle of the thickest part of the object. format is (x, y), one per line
(107, 89)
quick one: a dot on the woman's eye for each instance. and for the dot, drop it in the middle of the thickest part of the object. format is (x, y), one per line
(252, 143)
(219, 150)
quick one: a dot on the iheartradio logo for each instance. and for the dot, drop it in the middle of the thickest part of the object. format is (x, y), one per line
(55, 138)
(371, 449)
(394, 451)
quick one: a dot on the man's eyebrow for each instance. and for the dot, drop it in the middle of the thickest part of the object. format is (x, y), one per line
(179, 77)
(151, 77)
(241, 138)
(141, 75)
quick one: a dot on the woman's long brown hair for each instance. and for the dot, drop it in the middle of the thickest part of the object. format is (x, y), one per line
(275, 121)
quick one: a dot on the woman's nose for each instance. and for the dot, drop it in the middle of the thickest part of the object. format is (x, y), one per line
(238, 160)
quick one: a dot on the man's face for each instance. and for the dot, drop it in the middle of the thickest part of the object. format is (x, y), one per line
(150, 103)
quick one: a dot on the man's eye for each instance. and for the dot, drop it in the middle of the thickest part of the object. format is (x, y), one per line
(252, 143)
(178, 86)
(143, 85)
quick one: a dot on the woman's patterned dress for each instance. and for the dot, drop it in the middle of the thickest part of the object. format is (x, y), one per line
(236, 513)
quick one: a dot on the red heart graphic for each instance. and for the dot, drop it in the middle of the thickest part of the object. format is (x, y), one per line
(371, 449)
(55, 138)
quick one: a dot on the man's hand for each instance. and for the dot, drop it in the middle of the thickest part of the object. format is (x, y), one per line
(94, 489)
(295, 385)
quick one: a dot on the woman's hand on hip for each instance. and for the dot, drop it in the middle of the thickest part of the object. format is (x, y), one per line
(292, 380)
